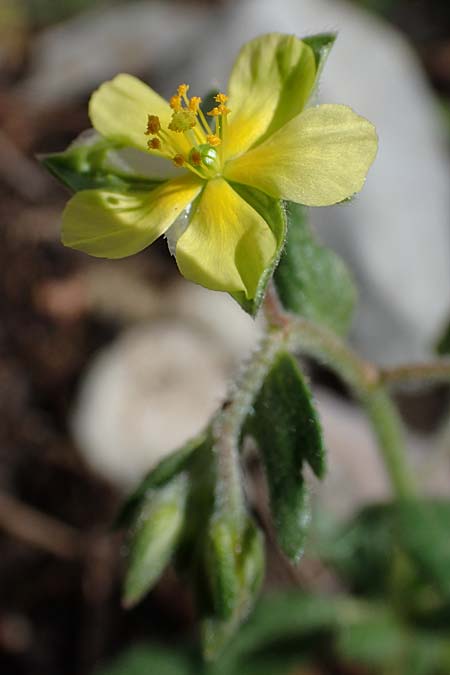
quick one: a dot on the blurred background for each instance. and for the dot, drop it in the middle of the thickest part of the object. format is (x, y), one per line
(105, 366)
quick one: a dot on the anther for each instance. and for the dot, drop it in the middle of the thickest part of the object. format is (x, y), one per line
(221, 98)
(153, 125)
(219, 110)
(194, 103)
(154, 144)
(183, 89)
(213, 140)
(178, 160)
(175, 102)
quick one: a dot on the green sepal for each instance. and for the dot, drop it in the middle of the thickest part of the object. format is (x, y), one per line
(163, 472)
(86, 165)
(311, 280)
(286, 427)
(154, 537)
(273, 213)
(249, 565)
(221, 545)
(321, 44)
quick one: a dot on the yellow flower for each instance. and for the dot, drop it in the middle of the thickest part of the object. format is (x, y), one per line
(258, 139)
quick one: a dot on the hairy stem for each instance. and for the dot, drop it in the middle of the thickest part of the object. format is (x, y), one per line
(436, 371)
(228, 425)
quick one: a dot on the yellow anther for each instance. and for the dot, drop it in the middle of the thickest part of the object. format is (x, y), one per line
(175, 103)
(183, 89)
(178, 160)
(213, 140)
(194, 103)
(153, 125)
(182, 120)
(154, 144)
(219, 110)
(195, 157)
(221, 98)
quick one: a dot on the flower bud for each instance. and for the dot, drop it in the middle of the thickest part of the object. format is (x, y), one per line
(154, 538)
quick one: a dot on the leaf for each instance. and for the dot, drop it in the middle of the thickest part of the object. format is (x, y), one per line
(163, 472)
(270, 209)
(424, 528)
(146, 659)
(154, 538)
(378, 639)
(311, 280)
(287, 429)
(394, 548)
(86, 164)
(362, 550)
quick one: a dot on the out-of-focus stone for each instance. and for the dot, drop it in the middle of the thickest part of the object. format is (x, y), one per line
(74, 56)
(158, 383)
(356, 475)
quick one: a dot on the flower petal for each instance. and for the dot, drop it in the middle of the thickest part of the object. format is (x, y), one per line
(108, 224)
(119, 108)
(319, 158)
(270, 83)
(227, 245)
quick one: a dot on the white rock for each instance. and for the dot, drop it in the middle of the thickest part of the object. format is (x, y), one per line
(158, 383)
(72, 57)
(356, 474)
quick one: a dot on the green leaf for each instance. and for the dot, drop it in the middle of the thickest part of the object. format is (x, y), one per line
(378, 639)
(362, 550)
(86, 165)
(163, 472)
(270, 209)
(395, 548)
(287, 429)
(154, 538)
(424, 528)
(311, 280)
(143, 660)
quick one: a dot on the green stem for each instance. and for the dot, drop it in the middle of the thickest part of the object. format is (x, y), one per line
(388, 429)
(363, 380)
(228, 425)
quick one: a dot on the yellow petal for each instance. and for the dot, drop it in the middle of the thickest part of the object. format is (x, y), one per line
(119, 110)
(270, 83)
(111, 225)
(319, 158)
(227, 244)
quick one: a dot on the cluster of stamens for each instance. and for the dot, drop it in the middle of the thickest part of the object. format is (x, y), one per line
(188, 119)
